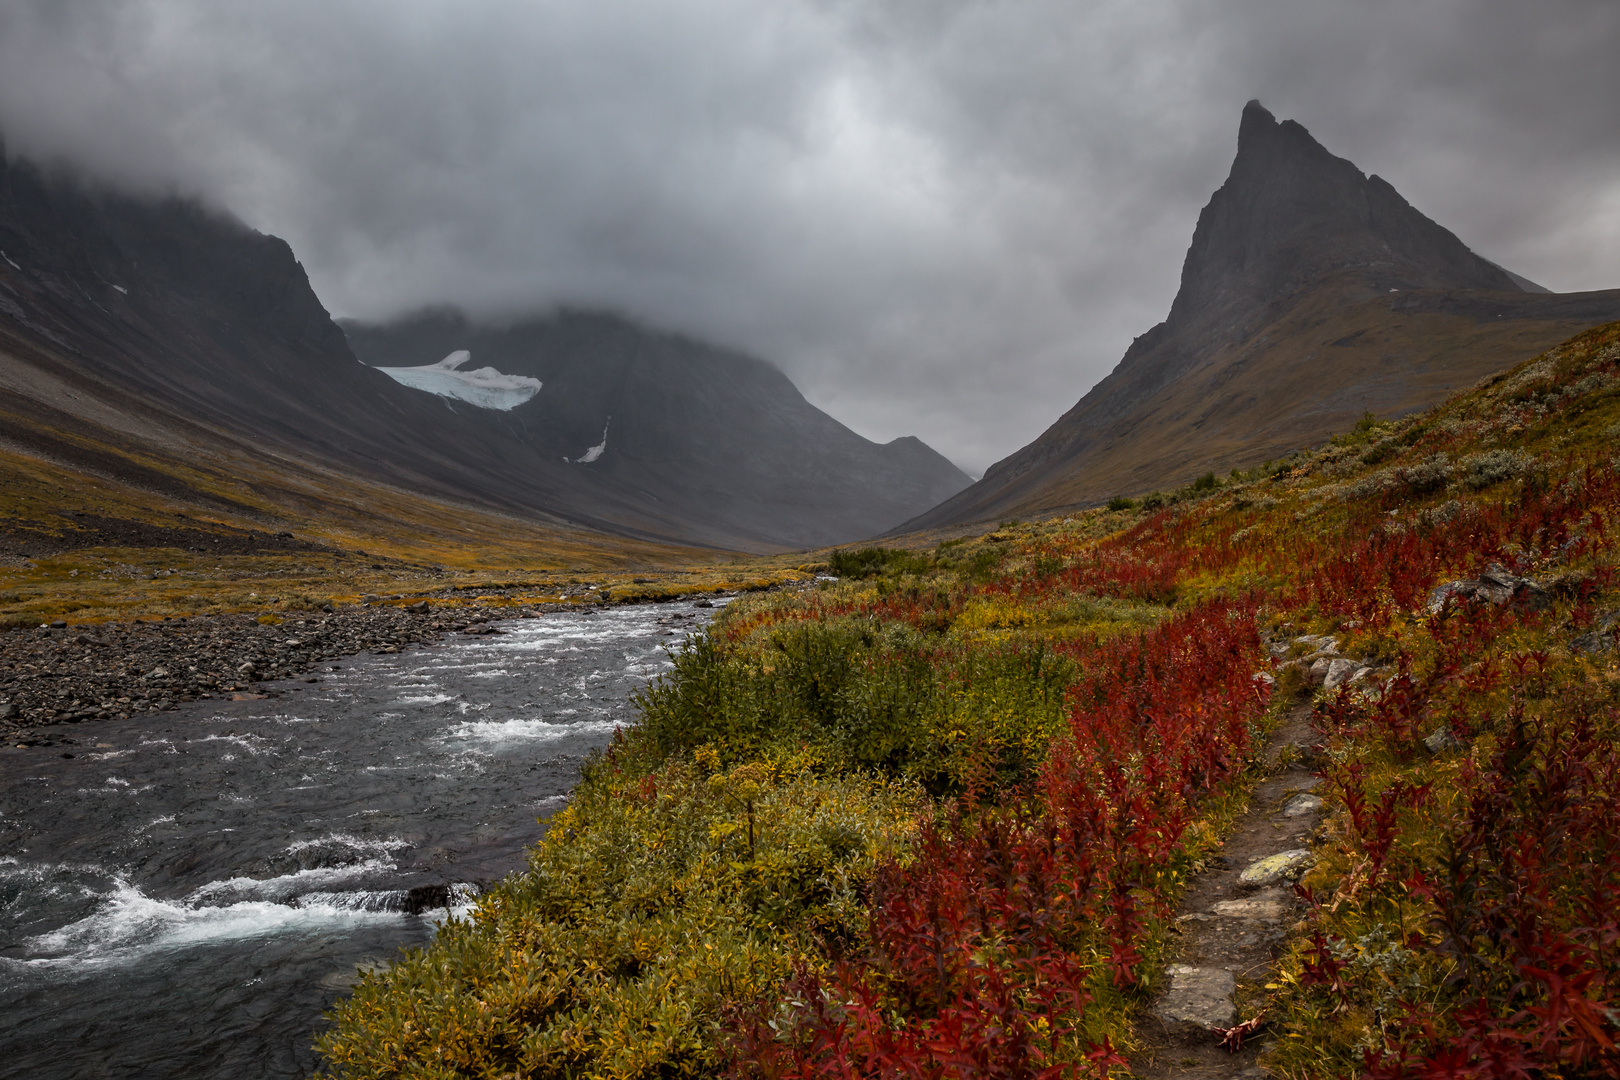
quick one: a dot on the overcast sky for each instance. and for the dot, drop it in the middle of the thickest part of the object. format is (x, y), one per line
(941, 218)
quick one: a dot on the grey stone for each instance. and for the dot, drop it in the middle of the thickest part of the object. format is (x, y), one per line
(1269, 906)
(1497, 585)
(1201, 996)
(1341, 671)
(1302, 805)
(1276, 868)
(1442, 740)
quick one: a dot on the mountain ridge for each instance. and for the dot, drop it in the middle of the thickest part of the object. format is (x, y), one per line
(171, 308)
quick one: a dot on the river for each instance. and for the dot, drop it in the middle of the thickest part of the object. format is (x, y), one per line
(188, 893)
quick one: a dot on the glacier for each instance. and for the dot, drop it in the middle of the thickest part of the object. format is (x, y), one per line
(484, 387)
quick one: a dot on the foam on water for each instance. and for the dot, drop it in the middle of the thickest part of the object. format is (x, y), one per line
(504, 731)
(129, 925)
(287, 886)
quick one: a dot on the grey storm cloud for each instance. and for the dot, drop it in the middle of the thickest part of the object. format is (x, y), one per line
(940, 218)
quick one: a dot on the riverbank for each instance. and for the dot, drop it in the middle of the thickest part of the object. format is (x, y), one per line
(56, 675)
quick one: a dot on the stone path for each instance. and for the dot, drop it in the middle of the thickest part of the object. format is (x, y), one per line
(1232, 923)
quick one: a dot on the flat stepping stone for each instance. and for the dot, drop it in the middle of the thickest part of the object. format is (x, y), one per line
(1266, 907)
(1199, 995)
(1302, 805)
(1275, 868)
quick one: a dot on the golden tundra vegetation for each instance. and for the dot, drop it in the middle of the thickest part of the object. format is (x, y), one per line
(212, 538)
(933, 819)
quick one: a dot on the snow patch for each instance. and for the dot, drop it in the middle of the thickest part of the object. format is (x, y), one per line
(596, 451)
(484, 387)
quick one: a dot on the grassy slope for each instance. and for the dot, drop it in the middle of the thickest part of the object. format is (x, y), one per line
(92, 513)
(951, 804)
(1319, 361)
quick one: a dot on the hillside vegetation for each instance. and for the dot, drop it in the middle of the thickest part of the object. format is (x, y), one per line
(932, 819)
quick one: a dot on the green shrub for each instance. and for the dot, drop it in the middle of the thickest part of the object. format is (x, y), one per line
(1492, 467)
(871, 561)
(865, 697)
(1122, 502)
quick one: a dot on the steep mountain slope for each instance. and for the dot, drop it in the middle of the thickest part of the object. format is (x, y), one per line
(689, 423)
(1310, 294)
(162, 309)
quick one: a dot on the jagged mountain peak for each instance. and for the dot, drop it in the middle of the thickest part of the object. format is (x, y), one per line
(1311, 294)
(1290, 213)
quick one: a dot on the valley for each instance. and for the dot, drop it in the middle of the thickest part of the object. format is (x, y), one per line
(552, 695)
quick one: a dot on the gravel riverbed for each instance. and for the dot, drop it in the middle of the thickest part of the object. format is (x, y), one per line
(54, 677)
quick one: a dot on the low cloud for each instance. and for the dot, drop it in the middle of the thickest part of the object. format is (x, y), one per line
(942, 219)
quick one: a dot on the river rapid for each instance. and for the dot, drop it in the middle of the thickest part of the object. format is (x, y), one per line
(188, 893)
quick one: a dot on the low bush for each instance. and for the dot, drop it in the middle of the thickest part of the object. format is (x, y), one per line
(871, 561)
(652, 902)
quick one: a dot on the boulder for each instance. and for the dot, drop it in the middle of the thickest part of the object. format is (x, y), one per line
(1600, 638)
(1274, 869)
(1497, 585)
(1340, 671)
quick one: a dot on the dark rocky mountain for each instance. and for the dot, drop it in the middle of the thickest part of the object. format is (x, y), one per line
(1311, 294)
(146, 318)
(692, 424)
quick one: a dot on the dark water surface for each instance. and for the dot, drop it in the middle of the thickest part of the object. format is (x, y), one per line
(189, 893)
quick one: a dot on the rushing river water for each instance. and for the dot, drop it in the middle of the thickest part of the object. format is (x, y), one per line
(191, 891)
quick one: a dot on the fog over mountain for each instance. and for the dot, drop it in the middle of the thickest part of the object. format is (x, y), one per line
(940, 218)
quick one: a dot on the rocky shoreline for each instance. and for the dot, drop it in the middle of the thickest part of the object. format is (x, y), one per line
(55, 676)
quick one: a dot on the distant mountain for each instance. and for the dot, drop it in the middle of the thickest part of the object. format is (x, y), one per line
(148, 317)
(724, 436)
(1311, 294)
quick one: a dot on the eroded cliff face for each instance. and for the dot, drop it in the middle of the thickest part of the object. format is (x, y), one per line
(1310, 294)
(163, 312)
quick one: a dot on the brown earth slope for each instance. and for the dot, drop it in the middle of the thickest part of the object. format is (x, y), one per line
(1310, 295)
